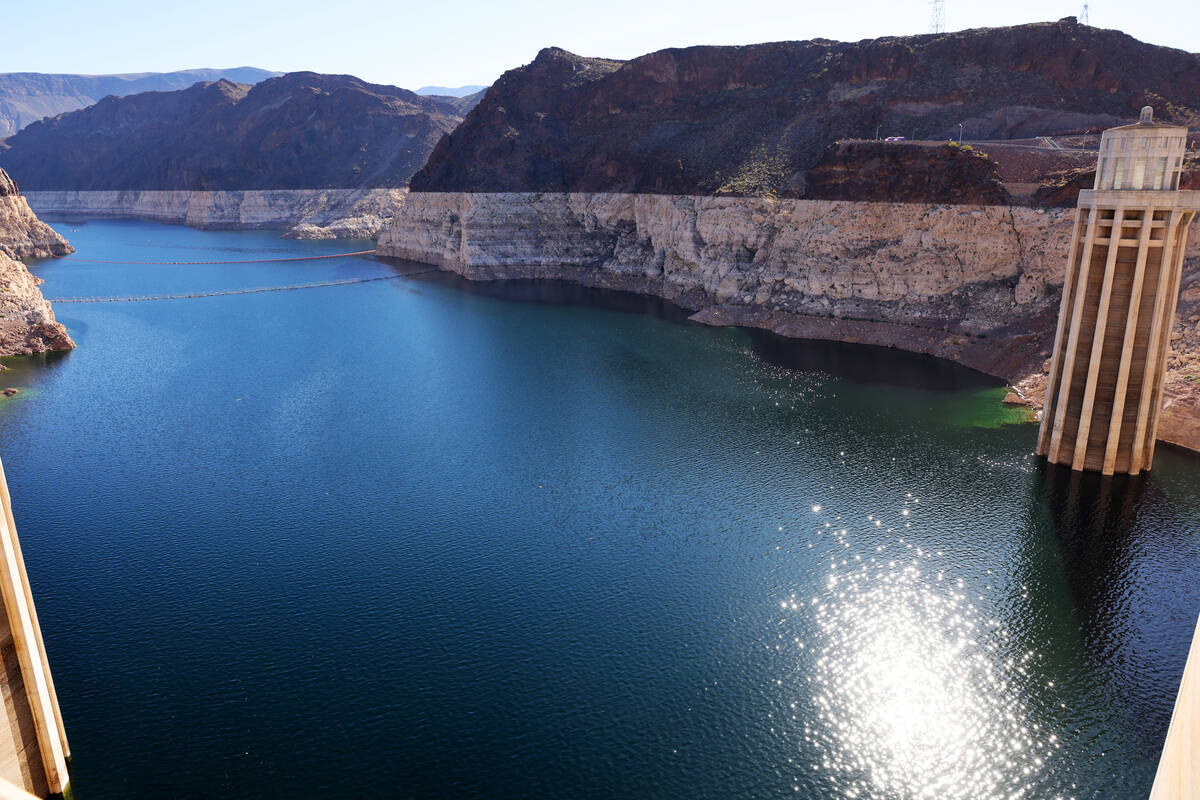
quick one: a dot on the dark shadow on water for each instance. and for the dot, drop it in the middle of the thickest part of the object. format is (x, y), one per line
(859, 363)
(1093, 517)
(1128, 627)
(20, 366)
(555, 293)
(870, 364)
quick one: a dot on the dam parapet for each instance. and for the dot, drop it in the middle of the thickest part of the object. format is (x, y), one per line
(33, 744)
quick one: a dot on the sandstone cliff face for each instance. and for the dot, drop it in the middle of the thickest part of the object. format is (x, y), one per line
(27, 323)
(974, 283)
(305, 213)
(22, 234)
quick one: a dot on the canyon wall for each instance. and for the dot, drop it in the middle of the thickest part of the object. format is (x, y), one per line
(305, 213)
(979, 284)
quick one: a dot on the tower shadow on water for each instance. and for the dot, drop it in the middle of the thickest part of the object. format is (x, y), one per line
(1096, 525)
(1093, 517)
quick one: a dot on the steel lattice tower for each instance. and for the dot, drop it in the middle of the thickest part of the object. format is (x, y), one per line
(937, 16)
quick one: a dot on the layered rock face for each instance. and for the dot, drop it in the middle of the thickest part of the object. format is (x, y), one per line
(906, 172)
(753, 120)
(304, 213)
(22, 234)
(950, 273)
(27, 323)
(979, 284)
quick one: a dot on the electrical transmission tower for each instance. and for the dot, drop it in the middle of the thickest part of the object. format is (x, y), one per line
(1083, 18)
(937, 16)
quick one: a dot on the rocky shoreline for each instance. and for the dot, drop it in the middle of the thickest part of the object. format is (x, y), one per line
(303, 213)
(27, 323)
(976, 284)
(22, 234)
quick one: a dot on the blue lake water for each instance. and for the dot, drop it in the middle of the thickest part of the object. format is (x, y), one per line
(412, 538)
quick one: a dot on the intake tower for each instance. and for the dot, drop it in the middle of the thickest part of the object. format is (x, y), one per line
(1104, 391)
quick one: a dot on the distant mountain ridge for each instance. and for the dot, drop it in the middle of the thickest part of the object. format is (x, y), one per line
(753, 119)
(451, 91)
(302, 130)
(27, 97)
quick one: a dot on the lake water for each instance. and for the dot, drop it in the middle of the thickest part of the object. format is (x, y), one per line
(414, 539)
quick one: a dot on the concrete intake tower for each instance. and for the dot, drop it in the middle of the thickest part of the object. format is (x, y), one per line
(1104, 391)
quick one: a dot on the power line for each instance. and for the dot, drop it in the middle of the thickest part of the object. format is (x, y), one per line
(937, 16)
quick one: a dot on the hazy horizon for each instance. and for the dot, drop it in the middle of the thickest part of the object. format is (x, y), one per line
(413, 45)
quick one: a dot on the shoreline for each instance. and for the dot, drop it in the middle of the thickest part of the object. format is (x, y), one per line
(297, 213)
(975, 285)
(797, 328)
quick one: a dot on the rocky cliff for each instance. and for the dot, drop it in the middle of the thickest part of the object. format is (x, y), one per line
(298, 131)
(979, 284)
(27, 323)
(753, 120)
(22, 234)
(304, 213)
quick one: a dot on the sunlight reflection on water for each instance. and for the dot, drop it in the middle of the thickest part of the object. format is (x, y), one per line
(915, 692)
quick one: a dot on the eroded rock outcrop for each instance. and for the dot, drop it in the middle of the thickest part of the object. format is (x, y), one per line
(27, 323)
(979, 284)
(22, 234)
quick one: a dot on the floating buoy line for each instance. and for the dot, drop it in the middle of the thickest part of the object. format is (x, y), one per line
(224, 292)
(244, 261)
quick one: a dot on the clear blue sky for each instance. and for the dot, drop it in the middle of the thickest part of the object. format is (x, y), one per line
(455, 42)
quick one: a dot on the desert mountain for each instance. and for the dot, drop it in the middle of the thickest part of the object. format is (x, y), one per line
(298, 131)
(26, 97)
(754, 119)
